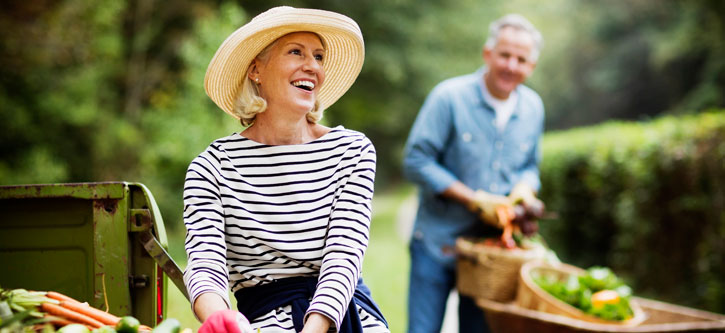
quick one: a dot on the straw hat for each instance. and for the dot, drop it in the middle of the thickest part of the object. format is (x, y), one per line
(341, 36)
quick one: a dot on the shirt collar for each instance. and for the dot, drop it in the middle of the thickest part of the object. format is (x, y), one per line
(482, 85)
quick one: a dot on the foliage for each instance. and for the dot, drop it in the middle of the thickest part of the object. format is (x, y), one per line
(112, 90)
(77, 82)
(647, 200)
(181, 121)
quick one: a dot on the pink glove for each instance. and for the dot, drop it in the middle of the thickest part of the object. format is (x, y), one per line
(226, 321)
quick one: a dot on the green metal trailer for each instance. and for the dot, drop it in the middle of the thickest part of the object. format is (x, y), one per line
(103, 243)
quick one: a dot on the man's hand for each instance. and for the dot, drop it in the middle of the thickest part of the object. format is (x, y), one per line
(486, 204)
(226, 321)
(524, 195)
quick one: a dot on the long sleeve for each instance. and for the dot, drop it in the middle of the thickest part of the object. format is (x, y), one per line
(205, 244)
(347, 236)
(426, 143)
(258, 214)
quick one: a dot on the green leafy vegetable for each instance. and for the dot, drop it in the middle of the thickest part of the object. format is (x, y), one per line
(583, 292)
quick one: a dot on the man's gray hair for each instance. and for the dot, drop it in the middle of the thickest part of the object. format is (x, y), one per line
(518, 22)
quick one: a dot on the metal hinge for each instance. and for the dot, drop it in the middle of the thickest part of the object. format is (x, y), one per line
(140, 281)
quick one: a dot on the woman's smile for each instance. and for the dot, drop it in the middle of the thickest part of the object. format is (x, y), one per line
(306, 85)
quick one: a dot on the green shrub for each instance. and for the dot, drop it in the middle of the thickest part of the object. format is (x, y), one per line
(646, 199)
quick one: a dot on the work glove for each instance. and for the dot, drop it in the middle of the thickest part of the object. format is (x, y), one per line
(226, 321)
(524, 195)
(488, 205)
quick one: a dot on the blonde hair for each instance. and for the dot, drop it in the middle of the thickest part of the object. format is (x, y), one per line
(249, 103)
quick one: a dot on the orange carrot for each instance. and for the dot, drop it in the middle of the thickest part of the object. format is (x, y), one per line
(60, 297)
(506, 216)
(104, 317)
(71, 315)
(144, 328)
(57, 321)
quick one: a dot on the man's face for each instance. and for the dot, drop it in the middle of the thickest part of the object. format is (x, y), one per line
(509, 62)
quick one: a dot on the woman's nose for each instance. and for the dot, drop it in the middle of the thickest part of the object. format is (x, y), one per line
(311, 64)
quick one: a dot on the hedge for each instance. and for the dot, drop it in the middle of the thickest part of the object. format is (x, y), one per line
(645, 199)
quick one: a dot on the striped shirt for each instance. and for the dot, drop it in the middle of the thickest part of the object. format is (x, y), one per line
(255, 213)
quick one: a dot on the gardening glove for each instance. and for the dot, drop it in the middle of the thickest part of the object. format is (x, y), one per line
(524, 195)
(226, 321)
(486, 205)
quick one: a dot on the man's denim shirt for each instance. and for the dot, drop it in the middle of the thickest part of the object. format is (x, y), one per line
(454, 138)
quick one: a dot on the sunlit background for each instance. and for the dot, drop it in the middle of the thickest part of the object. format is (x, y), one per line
(112, 90)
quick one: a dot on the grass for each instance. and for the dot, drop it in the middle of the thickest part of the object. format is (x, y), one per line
(385, 269)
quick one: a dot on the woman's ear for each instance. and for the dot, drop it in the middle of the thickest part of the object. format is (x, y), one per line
(253, 72)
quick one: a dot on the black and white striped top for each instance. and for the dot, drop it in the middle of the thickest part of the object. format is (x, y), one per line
(255, 213)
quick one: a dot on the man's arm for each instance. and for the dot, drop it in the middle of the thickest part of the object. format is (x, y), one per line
(459, 192)
(427, 142)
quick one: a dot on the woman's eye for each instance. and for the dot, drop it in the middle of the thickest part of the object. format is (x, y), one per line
(295, 51)
(319, 57)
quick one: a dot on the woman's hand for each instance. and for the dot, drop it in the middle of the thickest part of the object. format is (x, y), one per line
(226, 321)
(316, 323)
(208, 303)
(213, 311)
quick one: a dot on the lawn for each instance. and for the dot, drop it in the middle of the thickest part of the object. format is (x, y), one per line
(385, 269)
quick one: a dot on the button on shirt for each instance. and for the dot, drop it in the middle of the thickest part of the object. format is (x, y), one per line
(455, 138)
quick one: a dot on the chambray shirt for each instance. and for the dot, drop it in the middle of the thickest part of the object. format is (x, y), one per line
(454, 138)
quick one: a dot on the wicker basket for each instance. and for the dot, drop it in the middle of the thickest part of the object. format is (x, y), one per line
(531, 296)
(490, 272)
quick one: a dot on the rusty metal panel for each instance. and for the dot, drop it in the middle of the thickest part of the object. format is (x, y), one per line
(47, 244)
(151, 283)
(83, 239)
(112, 257)
(106, 190)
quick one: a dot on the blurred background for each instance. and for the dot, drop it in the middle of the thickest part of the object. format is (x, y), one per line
(634, 150)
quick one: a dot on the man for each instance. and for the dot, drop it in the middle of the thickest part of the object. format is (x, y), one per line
(473, 147)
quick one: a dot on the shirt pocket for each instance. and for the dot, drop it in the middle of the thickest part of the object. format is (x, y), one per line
(471, 150)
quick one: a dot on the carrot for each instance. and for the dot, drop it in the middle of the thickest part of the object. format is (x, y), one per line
(506, 216)
(144, 328)
(57, 321)
(60, 297)
(71, 315)
(102, 316)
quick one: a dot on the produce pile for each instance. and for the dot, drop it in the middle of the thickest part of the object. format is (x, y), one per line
(597, 292)
(519, 222)
(520, 228)
(40, 311)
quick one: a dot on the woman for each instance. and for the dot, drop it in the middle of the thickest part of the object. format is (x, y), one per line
(280, 213)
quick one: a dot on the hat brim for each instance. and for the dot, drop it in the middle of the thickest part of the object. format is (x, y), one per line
(341, 36)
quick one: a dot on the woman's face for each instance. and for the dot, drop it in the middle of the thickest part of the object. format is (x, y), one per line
(291, 73)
